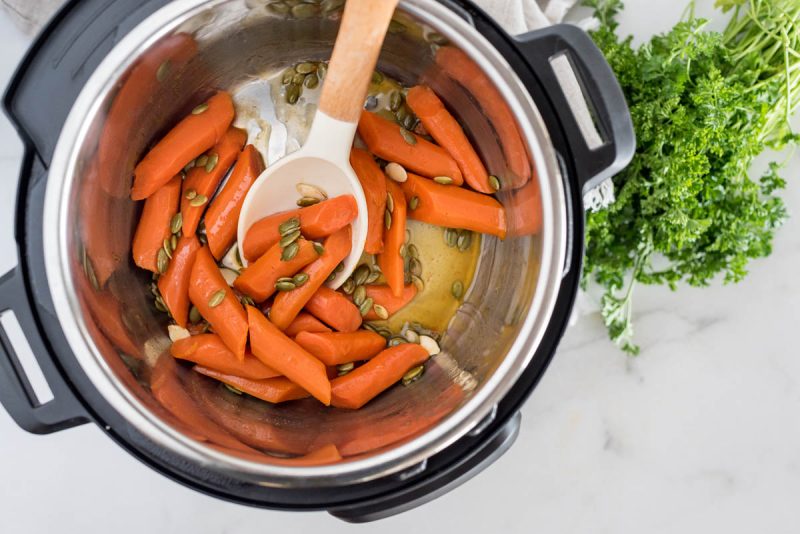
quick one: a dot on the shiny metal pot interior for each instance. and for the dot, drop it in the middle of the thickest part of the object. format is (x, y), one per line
(106, 310)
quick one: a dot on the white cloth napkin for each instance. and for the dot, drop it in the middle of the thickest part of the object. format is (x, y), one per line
(516, 16)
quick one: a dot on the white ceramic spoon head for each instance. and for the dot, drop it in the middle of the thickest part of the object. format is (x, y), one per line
(323, 161)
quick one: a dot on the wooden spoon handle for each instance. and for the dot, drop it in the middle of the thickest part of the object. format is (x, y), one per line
(355, 54)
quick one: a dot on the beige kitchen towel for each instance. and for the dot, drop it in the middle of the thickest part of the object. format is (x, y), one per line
(516, 16)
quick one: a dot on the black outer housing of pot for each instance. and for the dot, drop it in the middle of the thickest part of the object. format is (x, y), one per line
(38, 100)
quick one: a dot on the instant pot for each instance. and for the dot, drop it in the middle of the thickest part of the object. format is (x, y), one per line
(107, 77)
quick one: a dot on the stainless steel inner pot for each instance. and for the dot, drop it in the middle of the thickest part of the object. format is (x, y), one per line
(103, 301)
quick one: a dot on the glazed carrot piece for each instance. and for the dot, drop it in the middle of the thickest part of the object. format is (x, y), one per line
(258, 279)
(384, 296)
(525, 210)
(454, 207)
(305, 322)
(458, 66)
(384, 139)
(277, 351)
(199, 181)
(390, 261)
(195, 134)
(208, 350)
(334, 309)
(335, 348)
(316, 222)
(274, 390)
(444, 128)
(174, 283)
(222, 216)
(364, 383)
(154, 224)
(289, 303)
(373, 182)
(226, 316)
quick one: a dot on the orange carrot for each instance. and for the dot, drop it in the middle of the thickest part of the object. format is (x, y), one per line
(289, 303)
(208, 350)
(457, 65)
(277, 351)
(384, 139)
(384, 296)
(454, 207)
(444, 128)
(274, 390)
(525, 210)
(201, 183)
(305, 322)
(327, 454)
(335, 348)
(316, 222)
(226, 316)
(390, 261)
(334, 309)
(258, 279)
(174, 283)
(373, 182)
(195, 134)
(364, 383)
(154, 225)
(222, 216)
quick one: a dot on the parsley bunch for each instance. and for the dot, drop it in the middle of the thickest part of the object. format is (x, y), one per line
(704, 105)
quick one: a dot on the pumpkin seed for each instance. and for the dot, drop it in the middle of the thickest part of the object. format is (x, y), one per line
(444, 180)
(289, 238)
(339, 268)
(331, 5)
(401, 115)
(494, 181)
(450, 237)
(162, 261)
(436, 38)
(305, 67)
(464, 240)
(246, 300)
(173, 242)
(403, 250)
(413, 375)
(377, 77)
(290, 251)
(201, 161)
(305, 202)
(373, 277)
(331, 277)
(349, 286)
(176, 223)
(198, 201)
(366, 306)
(216, 298)
(418, 283)
(345, 368)
(288, 74)
(413, 251)
(387, 219)
(167, 246)
(288, 226)
(411, 336)
(311, 81)
(90, 274)
(395, 100)
(457, 289)
(299, 279)
(292, 93)
(160, 306)
(390, 202)
(359, 295)
(369, 326)
(303, 11)
(385, 332)
(429, 344)
(200, 109)
(322, 68)
(308, 190)
(413, 203)
(213, 159)
(408, 137)
(396, 172)
(415, 267)
(319, 248)
(396, 27)
(397, 340)
(380, 311)
(194, 315)
(190, 194)
(298, 79)
(409, 122)
(360, 275)
(232, 389)
(279, 7)
(189, 166)
(162, 71)
(375, 268)
(285, 286)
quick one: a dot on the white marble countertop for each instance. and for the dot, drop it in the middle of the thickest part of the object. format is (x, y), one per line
(700, 433)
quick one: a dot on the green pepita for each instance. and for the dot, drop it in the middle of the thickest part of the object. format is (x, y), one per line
(173, 242)
(289, 238)
(290, 251)
(457, 289)
(413, 251)
(418, 283)
(339, 268)
(387, 219)
(163, 70)
(322, 68)
(396, 27)
(299, 279)
(413, 203)
(319, 248)
(201, 161)
(176, 223)
(444, 180)
(415, 267)
(408, 137)
(401, 114)
(298, 78)
(450, 237)
(198, 201)
(359, 295)
(409, 122)
(189, 166)
(213, 159)
(436, 38)
(311, 81)
(287, 76)
(247, 301)
(285, 286)
(390, 202)
(305, 67)
(413, 375)
(194, 315)
(167, 246)
(190, 194)
(304, 202)
(162, 261)
(349, 286)
(366, 306)
(216, 298)
(200, 109)
(464, 240)
(403, 250)
(160, 306)
(380, 311)
(345, 368)
(373, 277)
(397, 340)
(304, 11)
(385, 332)
(395, 100)
(494, 181)
(278, 7)
(292, 93)
(232, 389)
(288, 226)
(329, 6)
(360, 275)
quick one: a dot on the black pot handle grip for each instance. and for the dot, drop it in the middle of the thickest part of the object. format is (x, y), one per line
(587, 98)
(432, 487)
(60, 410)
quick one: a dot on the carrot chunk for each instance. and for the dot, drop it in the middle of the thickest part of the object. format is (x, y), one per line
(335, 348)
(373, 182)
(154, 225)
(334, 309)
(275, 390)
(390, 261)
(174, 283)
(305, 322)
(208, 350)
(259, 278)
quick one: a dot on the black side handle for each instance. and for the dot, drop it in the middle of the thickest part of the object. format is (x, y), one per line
(16, 393)
(432, 487)
(597, 156)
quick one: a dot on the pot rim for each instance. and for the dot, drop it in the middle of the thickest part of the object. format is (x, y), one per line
(56, 238)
